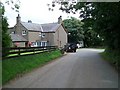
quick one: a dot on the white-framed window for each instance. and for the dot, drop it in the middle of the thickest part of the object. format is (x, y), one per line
(43, 43)
(43, 35)
(24, 32)
(13, 32)
(34, 44)
(40, 34)
(38, 44)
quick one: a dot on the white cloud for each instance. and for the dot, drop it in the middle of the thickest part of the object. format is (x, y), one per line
(35, 10)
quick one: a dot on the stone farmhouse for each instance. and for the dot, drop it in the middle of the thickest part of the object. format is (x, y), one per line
(28, 34)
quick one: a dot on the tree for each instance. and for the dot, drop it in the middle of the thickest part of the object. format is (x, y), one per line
(103, 18)
(75, 32)
(78, 31)
(107, 17)
(6, 40)
(91, 36)
(14, 4)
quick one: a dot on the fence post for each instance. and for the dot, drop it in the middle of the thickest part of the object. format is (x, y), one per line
(33, 50)
(49, 48)
(19, 51)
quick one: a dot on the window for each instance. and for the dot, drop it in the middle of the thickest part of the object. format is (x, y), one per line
(24, 32)
(13, 32)
(40, 34)
(34, 44)
(43, 35)
(38, 43)
(44, 43)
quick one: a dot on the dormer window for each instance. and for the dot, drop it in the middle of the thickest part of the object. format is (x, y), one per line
(24, 32)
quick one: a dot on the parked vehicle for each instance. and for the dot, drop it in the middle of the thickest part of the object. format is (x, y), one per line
(80, 44)
(71, 47)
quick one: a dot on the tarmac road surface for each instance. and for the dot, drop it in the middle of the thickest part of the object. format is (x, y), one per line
(83, 69)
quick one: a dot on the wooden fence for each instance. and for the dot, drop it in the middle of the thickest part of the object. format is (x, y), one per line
(22, 51)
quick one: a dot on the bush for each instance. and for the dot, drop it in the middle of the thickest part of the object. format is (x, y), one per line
(113, 56)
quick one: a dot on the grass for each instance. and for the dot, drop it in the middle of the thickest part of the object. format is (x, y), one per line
(112, 57)
(98, 47)
(14, 67)
(25, 53)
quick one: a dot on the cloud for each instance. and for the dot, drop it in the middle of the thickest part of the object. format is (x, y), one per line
(35, 10)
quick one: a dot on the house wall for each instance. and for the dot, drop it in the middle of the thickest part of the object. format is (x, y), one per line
(46, 37)
(20, 44)
(19, 28)
(33, 36)
(49, 37)
(60, 37)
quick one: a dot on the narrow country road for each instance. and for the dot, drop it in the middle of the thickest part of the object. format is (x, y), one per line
(83, 69)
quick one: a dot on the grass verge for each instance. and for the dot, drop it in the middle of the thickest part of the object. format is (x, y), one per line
(112, 57)
(16, 66)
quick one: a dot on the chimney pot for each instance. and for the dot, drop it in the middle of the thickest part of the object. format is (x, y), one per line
(29, 21)
(18, 19)
(60, 20)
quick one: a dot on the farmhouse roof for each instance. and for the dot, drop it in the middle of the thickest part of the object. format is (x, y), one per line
(32, 26)
(48, 27)
(17, 38)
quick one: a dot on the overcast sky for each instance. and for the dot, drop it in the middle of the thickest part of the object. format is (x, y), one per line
(36, 11)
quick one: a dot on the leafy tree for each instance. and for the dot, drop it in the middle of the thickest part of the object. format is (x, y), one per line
(107, 17)
(14, 4)
(79, 31)
(103, 18)
(6, 41)
(91, 36)
(75, 32)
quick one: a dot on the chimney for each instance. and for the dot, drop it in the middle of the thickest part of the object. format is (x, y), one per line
(18, 19)
(60, 20)
(29, 21)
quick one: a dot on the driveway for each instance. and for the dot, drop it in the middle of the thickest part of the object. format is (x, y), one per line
(83, 69)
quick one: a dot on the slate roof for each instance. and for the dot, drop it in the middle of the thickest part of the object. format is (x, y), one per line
(17, 38)
(32, 26)
(49, 27)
